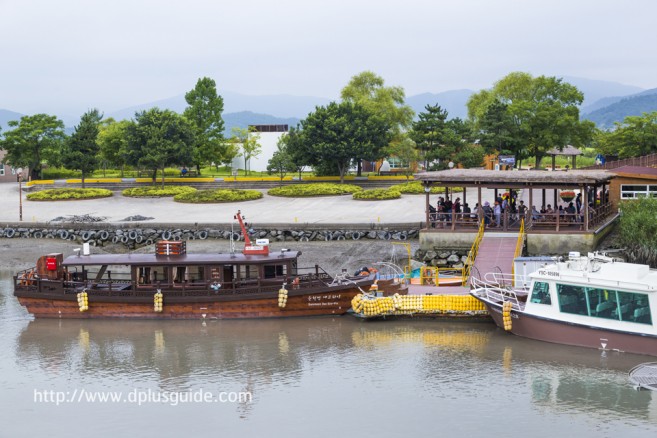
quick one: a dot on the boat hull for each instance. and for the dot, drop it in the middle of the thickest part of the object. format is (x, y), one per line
(330, 302)
(559, 332)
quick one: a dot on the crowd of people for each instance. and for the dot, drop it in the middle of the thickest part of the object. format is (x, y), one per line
(507, 203)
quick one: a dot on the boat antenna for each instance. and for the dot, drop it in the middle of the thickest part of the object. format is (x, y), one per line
(232, 241)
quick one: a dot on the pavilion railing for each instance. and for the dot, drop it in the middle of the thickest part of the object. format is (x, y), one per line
(557, 221)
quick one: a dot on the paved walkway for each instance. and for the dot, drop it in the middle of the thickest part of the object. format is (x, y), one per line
(269, 209)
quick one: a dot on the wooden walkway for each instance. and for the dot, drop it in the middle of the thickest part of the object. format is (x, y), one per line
(496, 250)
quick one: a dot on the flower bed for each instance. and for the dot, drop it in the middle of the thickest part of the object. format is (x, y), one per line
(377, 194)
(69, 194)
(217, 196)
(157, 191)
(319, 189)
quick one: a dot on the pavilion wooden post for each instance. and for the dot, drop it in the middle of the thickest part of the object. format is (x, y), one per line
(556, 206)
(574, 162)
(427, 203)
(465, 199)
(481, 207)
(554, 162)
(585, 201)
(530, 219)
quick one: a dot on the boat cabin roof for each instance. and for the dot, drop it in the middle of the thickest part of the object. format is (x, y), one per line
(597, 272)
(184, 259)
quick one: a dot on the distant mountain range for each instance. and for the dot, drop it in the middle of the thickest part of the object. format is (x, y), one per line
(6, 116)
(617, 108)
(605, 102)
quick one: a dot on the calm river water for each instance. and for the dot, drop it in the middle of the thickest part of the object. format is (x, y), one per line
(325, 377)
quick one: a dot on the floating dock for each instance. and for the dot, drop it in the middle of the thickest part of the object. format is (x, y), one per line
(422, 301)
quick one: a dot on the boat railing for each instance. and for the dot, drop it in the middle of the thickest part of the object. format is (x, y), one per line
(506, 280)
(493, 288)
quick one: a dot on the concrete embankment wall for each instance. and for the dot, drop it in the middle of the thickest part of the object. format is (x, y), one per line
(138, 234)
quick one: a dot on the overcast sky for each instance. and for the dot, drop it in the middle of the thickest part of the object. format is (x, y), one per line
(77, 54)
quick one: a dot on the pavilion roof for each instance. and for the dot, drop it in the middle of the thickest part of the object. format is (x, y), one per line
(517, 178)
(567, 150)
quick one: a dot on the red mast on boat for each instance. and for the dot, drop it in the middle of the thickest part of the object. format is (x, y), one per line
(249, 248)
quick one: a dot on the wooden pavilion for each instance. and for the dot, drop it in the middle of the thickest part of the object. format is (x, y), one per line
(541, 217)
(568, 151)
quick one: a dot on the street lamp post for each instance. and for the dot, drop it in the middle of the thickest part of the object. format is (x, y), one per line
(19, 178)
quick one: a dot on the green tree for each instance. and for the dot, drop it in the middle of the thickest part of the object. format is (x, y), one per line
(160, 138)
(470, 155)
(637, 230)
(34, 140)
(281, 161)
(205, 112)
(368, 90)
(230, 150)
(635, 136)
(113, 143)
(406, 151)
(295, 149)
(544, 109)
(249, 143)
(81, 149)
(428, 132)
(339, 134)
(498, 130)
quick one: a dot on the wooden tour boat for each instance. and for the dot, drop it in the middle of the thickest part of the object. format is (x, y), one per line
(173, 284)
(589, 301)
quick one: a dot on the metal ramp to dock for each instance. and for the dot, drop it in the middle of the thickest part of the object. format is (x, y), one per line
(496, 253)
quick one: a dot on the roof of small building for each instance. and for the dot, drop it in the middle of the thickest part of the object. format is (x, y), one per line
(518, 178)
(636, 172)
(567, 150)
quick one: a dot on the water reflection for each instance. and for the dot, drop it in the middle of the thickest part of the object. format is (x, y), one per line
(265, 354)
(309, 367)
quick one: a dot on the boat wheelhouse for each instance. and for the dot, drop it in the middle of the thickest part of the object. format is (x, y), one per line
(590, 301)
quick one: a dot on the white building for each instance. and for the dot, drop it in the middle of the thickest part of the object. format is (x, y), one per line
(269, 136)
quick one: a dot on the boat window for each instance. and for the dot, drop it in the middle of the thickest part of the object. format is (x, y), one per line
(602, 303)
(179, 274)
(159, 274)
(188, 274)
(541, 293)
(196, 274)
(144, 275)
(294, 267)
(248, 272)
(152, 274)
(634, 307)
(572, 299)
(273, 271)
